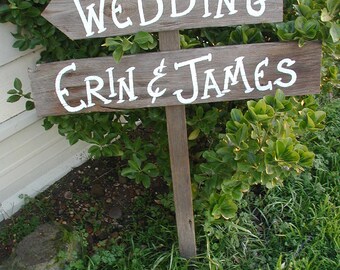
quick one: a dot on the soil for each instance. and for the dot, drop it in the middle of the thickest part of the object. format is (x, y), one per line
(93, 196)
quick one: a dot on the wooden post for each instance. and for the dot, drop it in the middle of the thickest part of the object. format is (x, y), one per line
(180, 166)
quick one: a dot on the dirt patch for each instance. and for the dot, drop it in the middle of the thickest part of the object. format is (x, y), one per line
(93, 197)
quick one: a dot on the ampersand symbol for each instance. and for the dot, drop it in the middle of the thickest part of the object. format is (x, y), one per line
(158, 74)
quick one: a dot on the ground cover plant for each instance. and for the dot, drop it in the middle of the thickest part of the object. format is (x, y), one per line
(295, 226)
(234, 147)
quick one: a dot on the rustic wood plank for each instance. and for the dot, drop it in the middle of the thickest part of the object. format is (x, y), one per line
(180, 166)
(131, 16)
(180, 170)
(305, 62)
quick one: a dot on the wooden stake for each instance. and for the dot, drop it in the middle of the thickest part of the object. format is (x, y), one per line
(180, 166)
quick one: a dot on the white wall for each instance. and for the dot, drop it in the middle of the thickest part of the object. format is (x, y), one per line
(31, 159)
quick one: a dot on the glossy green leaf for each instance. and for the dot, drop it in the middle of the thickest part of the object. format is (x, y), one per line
(126, 45)
(300, 23)
(118, 54)
(325, 16)
(24, 5)
(244, 166)
(237, 194)
(227, 209)
(115, 150)
(279, 95)
(13, 98)
(12, 91)
(310, 122)
(194, 134)
(48, 125)
(29, 105)
(333, 7)
(307, 158)
(134, 165)
(112, 42)
(33, 12)
(145, 180)
(241, 134)
(129, 172)
(311, 28)
(94, 150)
(143, 38)
(286, 31)
(17, 84)
(280, 148)
(151, 170)
(236, 115)
(335, 32)
(304, 10)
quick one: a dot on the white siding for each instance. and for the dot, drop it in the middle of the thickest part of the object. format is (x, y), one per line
(8, 54)
(31, 159)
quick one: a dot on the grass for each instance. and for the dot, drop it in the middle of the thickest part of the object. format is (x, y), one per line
(291, 227)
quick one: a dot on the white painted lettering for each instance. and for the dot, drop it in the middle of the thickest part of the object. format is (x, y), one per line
(230, 5)
(94, 91)
(253, 12)
(118, 9)
(129, 90)
(111, 82)
(289, 62)
(61, 93)
(192, 64)
(259, 74)
(158, 74)
(92, 16)
(207, 13)
(207, 86)
(176, 14)
(155, 19)
(233, 77)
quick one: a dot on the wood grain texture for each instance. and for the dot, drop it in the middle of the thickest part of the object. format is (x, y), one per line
(180, 170)
(180, 166)
(307, 67)
(64, 15)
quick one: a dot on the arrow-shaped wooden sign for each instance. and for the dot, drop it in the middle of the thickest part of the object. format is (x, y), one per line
(80, 19)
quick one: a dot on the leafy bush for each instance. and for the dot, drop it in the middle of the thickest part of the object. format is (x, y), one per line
(231, 148)
(261, 146)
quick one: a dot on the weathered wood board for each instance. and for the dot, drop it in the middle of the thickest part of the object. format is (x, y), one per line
(180, 163)
(81, 19)
(186, 77)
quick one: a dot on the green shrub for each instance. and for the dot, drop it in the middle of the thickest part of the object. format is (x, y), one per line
(260, 144)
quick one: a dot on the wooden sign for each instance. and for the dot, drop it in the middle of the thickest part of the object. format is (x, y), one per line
(80, 19)
(170, 79)
(167, 79)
